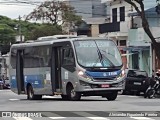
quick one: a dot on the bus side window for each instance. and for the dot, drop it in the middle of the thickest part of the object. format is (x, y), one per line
(67, 56)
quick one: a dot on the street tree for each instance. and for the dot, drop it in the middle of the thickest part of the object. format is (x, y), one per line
(45, 30)
(141, 12)
(54, 12)
(7, 34)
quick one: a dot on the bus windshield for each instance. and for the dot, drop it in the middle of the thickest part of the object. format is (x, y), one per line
(97, 53)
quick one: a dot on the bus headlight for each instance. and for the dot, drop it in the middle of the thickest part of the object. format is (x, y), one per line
(123, 72)
(121, 75)
(83, 75)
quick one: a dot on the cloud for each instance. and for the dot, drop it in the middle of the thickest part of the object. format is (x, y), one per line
(13, 11)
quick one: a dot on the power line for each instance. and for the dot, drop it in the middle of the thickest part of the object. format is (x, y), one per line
(28, 3)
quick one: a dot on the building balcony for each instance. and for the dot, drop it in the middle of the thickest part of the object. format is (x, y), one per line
(109, 27)
(116, 29)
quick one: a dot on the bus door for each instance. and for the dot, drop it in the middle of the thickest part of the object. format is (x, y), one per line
(58, 51)
(19, 71)
(56, 69)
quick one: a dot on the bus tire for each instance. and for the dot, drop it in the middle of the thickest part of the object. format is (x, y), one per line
(30, 94)
(112, 96)
(72, 94)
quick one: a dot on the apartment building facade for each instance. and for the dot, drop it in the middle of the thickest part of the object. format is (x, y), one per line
(87, 9)
(126, 29)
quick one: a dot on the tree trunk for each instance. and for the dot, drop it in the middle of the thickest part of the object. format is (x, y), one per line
(145, 25)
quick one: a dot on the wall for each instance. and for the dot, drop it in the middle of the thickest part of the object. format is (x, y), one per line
(88, 8)
(146, 61)
(137, 37)
(94, 30)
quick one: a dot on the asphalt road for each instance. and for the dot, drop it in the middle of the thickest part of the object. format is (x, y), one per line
(125, 107)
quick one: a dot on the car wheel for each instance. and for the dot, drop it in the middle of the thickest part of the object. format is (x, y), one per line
(72, 94)
(112, 96)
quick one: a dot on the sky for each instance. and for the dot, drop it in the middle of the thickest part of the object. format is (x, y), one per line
(15, 10)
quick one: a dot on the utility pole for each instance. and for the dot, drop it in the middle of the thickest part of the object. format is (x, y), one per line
(19, 28)
(92, 8)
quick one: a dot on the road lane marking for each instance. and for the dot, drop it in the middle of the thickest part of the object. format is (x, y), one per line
(92, 116)
(51, 97)
(56, 117)
(98, 118)
(22, 118)
(51, 114)
(142, 118)
(132, 96)
(13, 99)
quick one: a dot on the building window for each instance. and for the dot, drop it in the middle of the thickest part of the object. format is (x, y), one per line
(117, 42)
(122, 42)
(122, 13)
(114, 15)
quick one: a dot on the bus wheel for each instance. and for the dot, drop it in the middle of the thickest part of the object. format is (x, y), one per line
(30, 94)
(72, 94)
(112, 96)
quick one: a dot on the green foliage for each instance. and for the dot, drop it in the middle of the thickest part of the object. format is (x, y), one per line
(30, 31)
(45, 30)
(7, 34)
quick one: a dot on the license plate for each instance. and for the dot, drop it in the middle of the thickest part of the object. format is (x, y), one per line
(137, 83)
(105, 86)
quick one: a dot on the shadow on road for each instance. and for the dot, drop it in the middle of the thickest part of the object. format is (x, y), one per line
(59, 99)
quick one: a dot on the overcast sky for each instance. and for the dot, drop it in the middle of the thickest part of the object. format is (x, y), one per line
(14, 10)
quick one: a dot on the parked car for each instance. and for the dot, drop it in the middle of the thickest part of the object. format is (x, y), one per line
(136, 81)
(1, 84)
(4, 84)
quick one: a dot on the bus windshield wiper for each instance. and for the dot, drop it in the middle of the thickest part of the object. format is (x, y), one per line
(99, 55)
(101, 58)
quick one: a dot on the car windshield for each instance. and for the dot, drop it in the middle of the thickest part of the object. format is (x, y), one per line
(97, 53)
(139, 74)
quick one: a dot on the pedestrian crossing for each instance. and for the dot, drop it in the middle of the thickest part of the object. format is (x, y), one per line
(81, 118)
(77, 115)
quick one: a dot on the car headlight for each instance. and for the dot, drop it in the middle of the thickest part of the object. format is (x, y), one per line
(83, 75)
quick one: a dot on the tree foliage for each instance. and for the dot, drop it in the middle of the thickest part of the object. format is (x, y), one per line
(54, 12)
(7, 34)
(45, 30)
(145, 24)
(31, 31)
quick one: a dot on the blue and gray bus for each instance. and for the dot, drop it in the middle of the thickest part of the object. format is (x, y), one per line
(71, 67)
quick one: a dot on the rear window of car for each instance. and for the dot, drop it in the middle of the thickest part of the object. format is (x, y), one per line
(139, 74)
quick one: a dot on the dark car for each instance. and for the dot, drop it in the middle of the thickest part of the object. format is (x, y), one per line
(136, 81)
(1, 84)
(7, 84)
(4, 84)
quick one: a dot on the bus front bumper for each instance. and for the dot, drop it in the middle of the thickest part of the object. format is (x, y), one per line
(90, 86)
